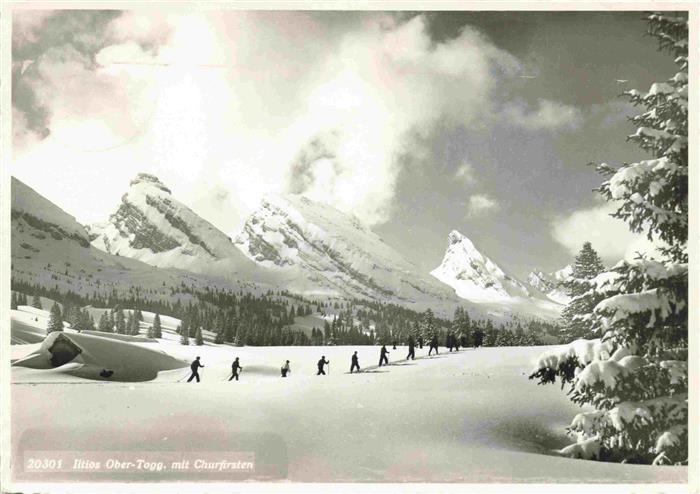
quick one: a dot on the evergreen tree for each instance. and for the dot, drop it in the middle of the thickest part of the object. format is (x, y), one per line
(89, 321)
(157, 330)
(461, 326)
(129, 323)
(55, 319)
(13, 303)
(36, 302)
(490, 334)
(635, 377)
(184, 334)
(198, 340)
(229, 331)
(586, 267)
(135, 326)
(428, 328)
(326, 330)
(478, 337)
(219, 338)
(120, 323)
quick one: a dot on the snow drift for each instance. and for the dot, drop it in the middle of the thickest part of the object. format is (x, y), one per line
(88, 355)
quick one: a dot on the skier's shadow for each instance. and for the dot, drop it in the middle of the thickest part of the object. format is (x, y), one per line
(374, 371)
(403, 363)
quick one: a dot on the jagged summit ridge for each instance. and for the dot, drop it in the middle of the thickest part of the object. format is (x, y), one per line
(551, 284)
(148, 179)
(152, 226)
(473, 275)
(332, 249)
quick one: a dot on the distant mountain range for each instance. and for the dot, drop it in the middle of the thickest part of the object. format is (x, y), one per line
(289, 242)
(552, 284)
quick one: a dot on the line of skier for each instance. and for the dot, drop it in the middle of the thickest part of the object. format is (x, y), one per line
(236, 368)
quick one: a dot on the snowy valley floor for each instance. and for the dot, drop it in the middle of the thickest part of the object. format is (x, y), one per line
(472, 416)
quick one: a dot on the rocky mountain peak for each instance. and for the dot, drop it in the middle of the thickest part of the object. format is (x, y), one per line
(147, 178)
(473, 275)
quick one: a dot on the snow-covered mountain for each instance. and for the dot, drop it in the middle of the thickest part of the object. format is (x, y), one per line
(473, 275)
(289, 243)
(32, 211)
(477, 278)
(333, 251)
(50, 248)
(152, 226)
(551, 284)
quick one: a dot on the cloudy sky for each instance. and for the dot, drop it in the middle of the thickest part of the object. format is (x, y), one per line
(418, 123)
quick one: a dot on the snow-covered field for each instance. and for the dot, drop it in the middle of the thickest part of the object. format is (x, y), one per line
(472, 416)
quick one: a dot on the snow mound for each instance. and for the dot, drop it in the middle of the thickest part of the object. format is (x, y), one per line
(86, 356)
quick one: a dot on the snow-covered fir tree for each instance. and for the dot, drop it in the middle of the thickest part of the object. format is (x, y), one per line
(428, 326)
(36, 302)
(55, 319)
(586, 266)
(635, 376)
(461, 326)
(198, 340)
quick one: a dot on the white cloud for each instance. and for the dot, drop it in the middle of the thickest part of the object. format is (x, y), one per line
(230, 100)
(548, 115)
(466, 174)
(481, 203)
(610, 237)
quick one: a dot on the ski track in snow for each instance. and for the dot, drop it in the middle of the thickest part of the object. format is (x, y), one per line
(468, 416)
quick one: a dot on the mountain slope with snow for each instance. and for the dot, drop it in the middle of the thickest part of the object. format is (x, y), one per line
(51, 249)
(551, 284)
(476, 278)
(37, 212)
(152, 226)
(333, 251)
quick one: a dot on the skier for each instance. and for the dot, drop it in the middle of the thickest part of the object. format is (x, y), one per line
(433, 345)
(411, 349)
(285, 369)
(394, 346)
(354, 364)
(235, 368)
(195, 369)
(320, 364)
(382, 356)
